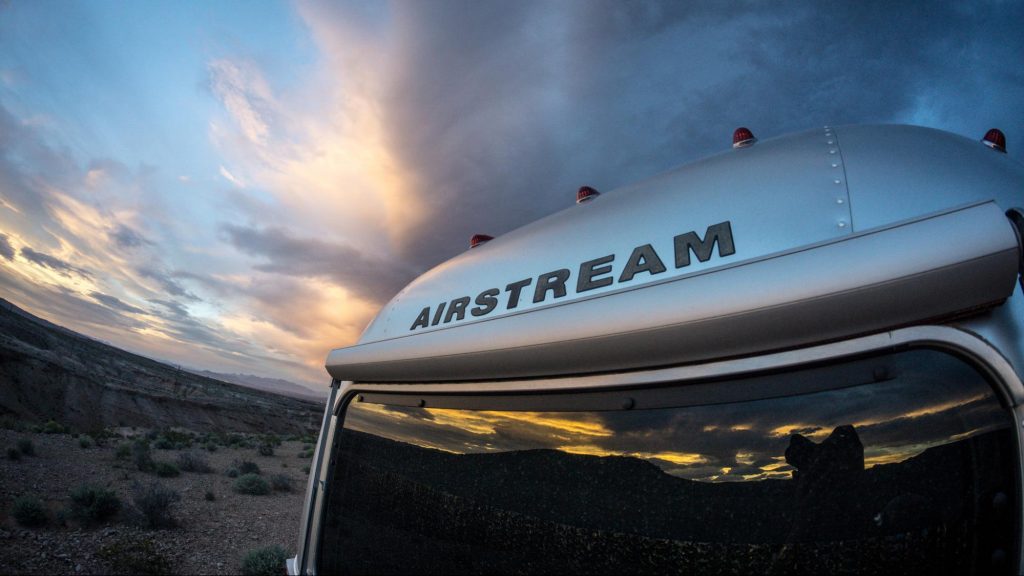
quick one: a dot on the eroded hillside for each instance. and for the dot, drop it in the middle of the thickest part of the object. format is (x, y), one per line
(48, 372)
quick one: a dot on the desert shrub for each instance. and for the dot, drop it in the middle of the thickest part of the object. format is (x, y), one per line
(52, 427)
(305, 453)
(13, 454)
(272, 439)
(265, 450)
(307, 447)
(209, 496)
(153, 501)
(75, 435)
(246, 467)
(284, 464)
(251, 484)
(231, 472)
(8, 422)
(267, 561)
(152, 435)
(29, 511)
(211, 446)
(133, 555)
(166, 469)
(193, 462)
(163, 443)
(123, 451)
(85, 442)
(91, 503)
(26, 446)
(281, 483)
(141, 455)
(305, 469)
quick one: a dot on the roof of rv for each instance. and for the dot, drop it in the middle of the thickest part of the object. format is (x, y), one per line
(775, 196)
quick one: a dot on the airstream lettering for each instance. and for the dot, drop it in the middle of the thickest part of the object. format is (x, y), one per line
(643, 260)
(596, 392)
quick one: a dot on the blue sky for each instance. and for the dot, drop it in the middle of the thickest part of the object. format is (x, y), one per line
(239, 186)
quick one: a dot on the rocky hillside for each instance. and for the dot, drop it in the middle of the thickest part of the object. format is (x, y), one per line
(48, 372)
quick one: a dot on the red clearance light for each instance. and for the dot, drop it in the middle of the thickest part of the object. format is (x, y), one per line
(742, 137)
(586, 193)
(995, 139)
(479, 239)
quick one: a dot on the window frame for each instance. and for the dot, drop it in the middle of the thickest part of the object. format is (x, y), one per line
(992, 365)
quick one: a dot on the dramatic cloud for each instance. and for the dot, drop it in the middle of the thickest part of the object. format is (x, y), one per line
(499, 110)
(374, 280)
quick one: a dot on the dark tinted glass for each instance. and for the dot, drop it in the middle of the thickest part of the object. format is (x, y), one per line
(902, 463)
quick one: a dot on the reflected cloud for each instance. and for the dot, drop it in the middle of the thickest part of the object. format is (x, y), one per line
(928, 406)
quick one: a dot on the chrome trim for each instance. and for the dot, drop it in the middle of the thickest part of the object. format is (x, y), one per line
(955, 340)
(314, 485)
(946, 337)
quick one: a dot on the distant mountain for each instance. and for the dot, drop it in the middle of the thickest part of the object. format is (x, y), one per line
(50, 372)
(275, 385)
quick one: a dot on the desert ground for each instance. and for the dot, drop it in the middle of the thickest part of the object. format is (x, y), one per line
(213, 526)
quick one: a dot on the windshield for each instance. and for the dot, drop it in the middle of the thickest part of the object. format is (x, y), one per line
(902, 462)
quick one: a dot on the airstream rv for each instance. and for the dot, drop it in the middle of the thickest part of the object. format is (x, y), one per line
(803, 354)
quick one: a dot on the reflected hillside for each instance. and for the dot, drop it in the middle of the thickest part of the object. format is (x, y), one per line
(551, 511)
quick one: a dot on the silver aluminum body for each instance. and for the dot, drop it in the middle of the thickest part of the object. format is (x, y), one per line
(847, 240)
(876, 210)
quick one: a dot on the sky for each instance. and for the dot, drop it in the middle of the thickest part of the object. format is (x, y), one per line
(239, 186)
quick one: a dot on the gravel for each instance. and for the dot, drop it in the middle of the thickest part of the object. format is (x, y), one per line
(211, 537)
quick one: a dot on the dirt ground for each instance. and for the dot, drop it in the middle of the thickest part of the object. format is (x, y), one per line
(211, 537)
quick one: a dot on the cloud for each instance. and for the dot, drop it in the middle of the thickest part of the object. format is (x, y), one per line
(6, 250)
(113, 302)
(245, 94)
(231, 177)
(52, 262)
(499, 111)
(171, 286)
(372, 279)
(125, 237)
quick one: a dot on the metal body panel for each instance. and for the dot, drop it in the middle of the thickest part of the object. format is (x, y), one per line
(854, 285)
(779, 196)
(980, 352)
(899, 172)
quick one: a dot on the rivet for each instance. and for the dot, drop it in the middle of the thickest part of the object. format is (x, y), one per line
(842, 224)
(831, 142)
(359, 398)
(421, 403)
(835, 165)
(839, 200)
(628, 404)
(832, 151)
(838, 181)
